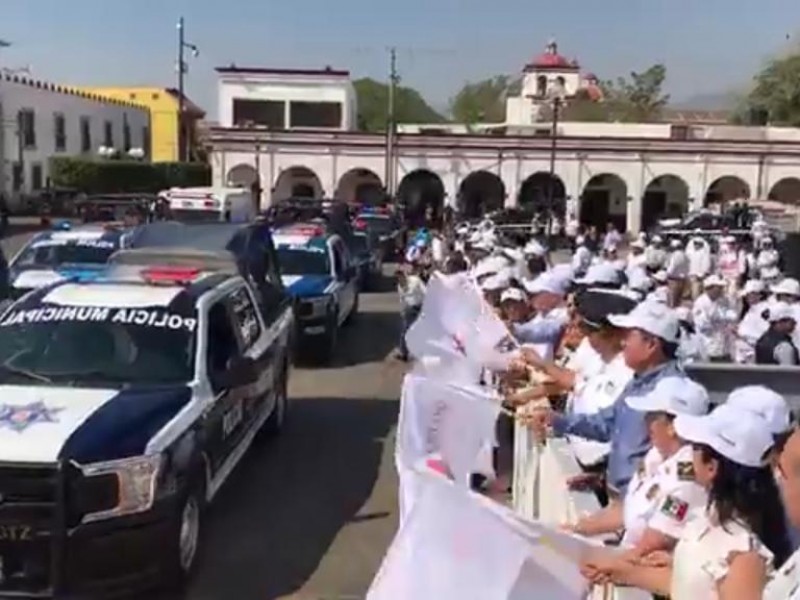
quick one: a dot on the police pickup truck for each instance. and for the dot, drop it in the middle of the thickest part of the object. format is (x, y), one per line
(317, 271)
(64, 252)
(126, 401)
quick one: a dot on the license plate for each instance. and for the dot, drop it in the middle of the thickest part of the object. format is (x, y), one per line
(315, 330)
(16, 533)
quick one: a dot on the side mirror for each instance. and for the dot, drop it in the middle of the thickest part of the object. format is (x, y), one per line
(241, 371)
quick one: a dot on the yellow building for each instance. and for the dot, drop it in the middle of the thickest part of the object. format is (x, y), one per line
(164, 109)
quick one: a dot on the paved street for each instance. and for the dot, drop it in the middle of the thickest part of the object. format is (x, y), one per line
(309, 515)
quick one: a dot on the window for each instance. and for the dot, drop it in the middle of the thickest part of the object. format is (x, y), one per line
(27, 128)
(17, 176)
(316, 114)
(264, 113)
(303, 261)
(541, 85)
(86, 135)
(245, 317)
(108, 134)
(146, 140)
(36, 177)
(60, 127)
(222, 344)
(679, 132)
(126, 134)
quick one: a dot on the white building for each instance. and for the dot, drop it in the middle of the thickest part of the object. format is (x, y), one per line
(40, 120)
(286, 99)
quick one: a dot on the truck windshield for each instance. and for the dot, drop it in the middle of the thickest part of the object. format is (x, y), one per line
(96, 346)
(47, 253)
(303, 261)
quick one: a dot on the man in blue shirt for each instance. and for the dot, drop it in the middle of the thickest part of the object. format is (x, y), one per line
(651, 342)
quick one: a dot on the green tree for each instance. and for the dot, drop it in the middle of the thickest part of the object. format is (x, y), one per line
(484, 101)
(640, 98)
(373, 102)
(775, 96)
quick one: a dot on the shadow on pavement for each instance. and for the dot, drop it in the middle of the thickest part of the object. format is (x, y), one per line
(282, 508)
(369, 338)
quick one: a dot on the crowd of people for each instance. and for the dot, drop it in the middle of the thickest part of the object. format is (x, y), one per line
(701, 502)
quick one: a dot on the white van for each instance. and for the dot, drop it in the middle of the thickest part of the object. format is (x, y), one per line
(208, 204)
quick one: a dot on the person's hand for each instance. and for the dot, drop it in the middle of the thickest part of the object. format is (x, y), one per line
(585, 481)
(539, 420)
(531, 357)
(659, 558)
(592, 574)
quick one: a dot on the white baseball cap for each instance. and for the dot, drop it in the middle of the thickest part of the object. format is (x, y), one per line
(780, 311)
(600, 274)
(513, 294)
(638, 243)
(548, 281)
(730, 431)
(534, 248)
(714, 281)
(765, 403)
(676, 243)
(753, 286)
(497, 282)
(673, 395)
(490, 266)
(652, 317)
(657, 239)
(788, 286)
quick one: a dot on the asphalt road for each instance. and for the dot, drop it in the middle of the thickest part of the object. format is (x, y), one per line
(309, 515)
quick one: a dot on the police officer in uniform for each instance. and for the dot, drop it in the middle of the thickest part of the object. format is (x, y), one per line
(786, 582)
(776, 347)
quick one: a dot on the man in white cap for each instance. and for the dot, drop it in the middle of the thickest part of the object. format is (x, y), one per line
(677, 272)
(776, 346)
(714, 318)
(754, 322)
(637, 260)
(514, 305)
(788, 291)
(602, 275)
(699, 253)
(655, 255)
(547, 294)
(768, 258)
(582, 257)
(651, 344)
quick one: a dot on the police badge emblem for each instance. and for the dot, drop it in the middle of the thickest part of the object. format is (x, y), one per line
(19, 418)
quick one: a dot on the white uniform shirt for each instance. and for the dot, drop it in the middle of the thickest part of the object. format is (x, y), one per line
(662, 496)
(750, 329)
(712, 319)
(437, 250)
(699, 259)
(678, 265)
(655, 257)
(581, 259)
(585, 362)
(700, 560)
(785, 585)
(598, 391)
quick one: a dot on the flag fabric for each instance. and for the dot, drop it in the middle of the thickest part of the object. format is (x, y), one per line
(444, 421)
(456, 545)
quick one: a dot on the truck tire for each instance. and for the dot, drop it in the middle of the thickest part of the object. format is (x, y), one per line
(186, 533)
(277, 420)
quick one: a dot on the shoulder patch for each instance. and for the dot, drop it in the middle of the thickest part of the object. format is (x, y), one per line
(675, 508)
(686, 471)
(653, 492)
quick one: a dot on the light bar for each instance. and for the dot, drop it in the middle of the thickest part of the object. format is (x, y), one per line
(170, 275)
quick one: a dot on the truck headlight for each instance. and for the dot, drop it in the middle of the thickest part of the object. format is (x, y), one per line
(136, 480)
(316, 307)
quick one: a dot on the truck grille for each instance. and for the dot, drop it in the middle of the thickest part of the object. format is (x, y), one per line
(29, 497)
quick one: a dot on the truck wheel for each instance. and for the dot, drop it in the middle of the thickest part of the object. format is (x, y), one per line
(185, 537)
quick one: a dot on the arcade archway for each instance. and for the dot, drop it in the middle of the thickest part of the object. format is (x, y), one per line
(422, 194)
(481, 192)
(725, 190)
(243, 176)
(786, 191)
(362, 186)
(665, 197)
(604, 200)
(537, 191)
(297, 182)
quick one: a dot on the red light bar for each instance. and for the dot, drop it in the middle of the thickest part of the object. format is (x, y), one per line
(170, 275)
(360, 224)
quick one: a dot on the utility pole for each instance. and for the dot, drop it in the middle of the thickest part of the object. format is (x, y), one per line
(183, 68)
(391, 128)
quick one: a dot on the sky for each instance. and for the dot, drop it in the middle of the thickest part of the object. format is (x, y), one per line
(708, 46)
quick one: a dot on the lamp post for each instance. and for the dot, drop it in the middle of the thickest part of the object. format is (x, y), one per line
(556, 96)
(183, 68)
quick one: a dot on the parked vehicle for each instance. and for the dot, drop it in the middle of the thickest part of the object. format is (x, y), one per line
(367, 258)
(208, 204)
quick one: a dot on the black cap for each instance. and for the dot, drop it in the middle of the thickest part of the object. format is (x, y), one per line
(595, 305)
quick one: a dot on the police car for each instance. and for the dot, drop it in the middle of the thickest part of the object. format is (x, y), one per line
(317, 271)
(62, 253)
(126, 401)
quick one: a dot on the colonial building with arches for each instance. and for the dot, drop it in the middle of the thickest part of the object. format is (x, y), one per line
(628, 179)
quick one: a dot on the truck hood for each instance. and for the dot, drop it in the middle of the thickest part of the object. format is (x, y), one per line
(42, 424)
(308, 285)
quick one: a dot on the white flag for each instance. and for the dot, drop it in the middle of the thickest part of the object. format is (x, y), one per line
(453, 423)
(456, 545)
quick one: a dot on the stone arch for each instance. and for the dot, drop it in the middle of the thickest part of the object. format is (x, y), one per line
(666, 196)
(725, 189)
(297, 182)
(243, 176)
(362, 186)
(537, 190)
(421, 192)
(604, 200)
(786, 191)
(479, 193)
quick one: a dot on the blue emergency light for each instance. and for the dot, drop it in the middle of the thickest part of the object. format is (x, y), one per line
(82, 273)
(62, 226)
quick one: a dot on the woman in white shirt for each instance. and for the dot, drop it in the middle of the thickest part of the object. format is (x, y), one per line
(729, 550)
